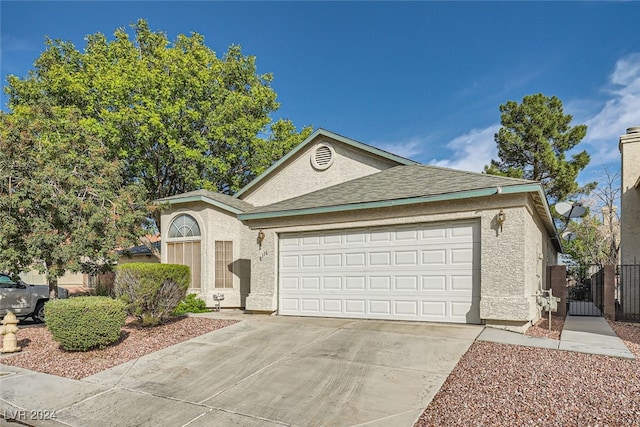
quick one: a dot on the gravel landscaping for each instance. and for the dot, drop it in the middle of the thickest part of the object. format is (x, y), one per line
(41, 353)
(495, 384)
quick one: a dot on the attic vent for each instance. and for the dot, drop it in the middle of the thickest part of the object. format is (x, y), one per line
(323, 156)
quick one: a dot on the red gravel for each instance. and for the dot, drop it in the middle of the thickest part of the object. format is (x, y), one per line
(541, 329)
(503, 385)
(41, 353)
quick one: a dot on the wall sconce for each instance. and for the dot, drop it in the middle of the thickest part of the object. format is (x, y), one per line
(501, 218)
(261, 237)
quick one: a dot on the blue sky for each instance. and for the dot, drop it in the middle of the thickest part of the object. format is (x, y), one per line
(420, 79)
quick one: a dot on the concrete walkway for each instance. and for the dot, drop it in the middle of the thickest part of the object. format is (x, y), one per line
(582, 334)
(262, 371)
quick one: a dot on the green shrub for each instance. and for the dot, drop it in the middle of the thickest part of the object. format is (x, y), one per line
(85, 323)
(151, 291)
(191, 304)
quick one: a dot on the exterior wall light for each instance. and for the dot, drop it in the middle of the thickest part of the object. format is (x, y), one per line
(501, 218)
(261, 236)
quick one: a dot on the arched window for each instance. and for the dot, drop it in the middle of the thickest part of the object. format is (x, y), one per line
(184, 226)
(185, 249)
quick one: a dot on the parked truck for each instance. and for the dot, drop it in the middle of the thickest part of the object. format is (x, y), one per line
(24, 300)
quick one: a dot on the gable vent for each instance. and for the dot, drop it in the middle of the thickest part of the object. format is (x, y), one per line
(322, 156)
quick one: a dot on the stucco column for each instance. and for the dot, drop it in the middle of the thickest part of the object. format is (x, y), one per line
(557, 282)
(263, 295)
(630, 196)
(609, 276)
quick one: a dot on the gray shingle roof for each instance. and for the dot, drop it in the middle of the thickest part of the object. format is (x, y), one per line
(400, 182)
(233, 202)
(140, 249)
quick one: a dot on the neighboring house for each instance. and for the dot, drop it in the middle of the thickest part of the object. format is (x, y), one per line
(630, 197)
(79, 282)
(139, 253)
(338, 228)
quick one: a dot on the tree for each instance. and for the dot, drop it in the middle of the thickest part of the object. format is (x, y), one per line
(63, 204)
(180, 117)
(597, 234)
(532, 144)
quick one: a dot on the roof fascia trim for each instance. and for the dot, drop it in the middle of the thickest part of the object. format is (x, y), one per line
(389, 203)
(190, 199)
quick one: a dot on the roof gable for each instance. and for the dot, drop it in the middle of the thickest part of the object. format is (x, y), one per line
(222, 201)
(308, 143)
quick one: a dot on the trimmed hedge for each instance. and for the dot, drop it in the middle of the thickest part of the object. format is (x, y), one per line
(85, 323)
(191, 304)
(152, 291)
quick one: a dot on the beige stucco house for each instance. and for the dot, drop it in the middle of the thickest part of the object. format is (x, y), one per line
(630, 197)
(338, 228)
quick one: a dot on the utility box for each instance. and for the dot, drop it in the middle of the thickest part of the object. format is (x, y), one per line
(548, 302)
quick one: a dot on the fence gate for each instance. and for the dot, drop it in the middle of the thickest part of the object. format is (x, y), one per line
(628, 293)
(586, 293)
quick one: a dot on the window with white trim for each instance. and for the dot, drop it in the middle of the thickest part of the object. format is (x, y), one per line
(184, 247)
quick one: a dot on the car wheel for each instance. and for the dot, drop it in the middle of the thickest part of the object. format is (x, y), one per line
(38, 314)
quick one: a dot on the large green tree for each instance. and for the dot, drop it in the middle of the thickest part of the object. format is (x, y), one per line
(533, 143)
(64, 205)
(179, 116)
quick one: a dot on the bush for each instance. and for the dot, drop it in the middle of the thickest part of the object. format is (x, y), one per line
(151, 291)
(191, 304)
(85, 323)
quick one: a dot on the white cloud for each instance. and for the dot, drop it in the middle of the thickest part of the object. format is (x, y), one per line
(410, 148)
(621, 110)
(472, 151)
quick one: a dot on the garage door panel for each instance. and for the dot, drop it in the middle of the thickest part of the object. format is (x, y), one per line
(332, 260)
(434, 257)
(289, 261)
(332, 306)
(462, 283)
(310, 305)
(380, 259)
(356, 283)
(406, 308)
(380, 237)
(406, 283)
(434, 309)
(355, 306)
(331, 283)
(290, 283)
(406, 236)
(418, 272)
(380, 307)
(380, 283)
(356, 259)
(461, 256)
(434, 283)
(409, 258)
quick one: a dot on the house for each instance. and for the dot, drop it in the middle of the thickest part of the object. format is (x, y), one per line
(81, 283)
(140, 253)
(630, 197)
(338, 228)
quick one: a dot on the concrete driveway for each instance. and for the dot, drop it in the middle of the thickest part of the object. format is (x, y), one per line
(263, 371)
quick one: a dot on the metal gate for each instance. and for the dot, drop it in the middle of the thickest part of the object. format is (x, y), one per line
(628, 293)
(586, 293)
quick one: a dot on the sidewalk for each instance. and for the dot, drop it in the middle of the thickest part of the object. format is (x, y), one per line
(582, 334)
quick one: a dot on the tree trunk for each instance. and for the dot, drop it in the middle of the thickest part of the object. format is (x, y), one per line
(52, 281)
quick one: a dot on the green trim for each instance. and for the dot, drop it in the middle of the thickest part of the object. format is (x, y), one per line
(512, 189)
(190, 199)
(389, 203)
(334, 136)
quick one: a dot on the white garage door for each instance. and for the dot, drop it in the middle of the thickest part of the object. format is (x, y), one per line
(422, 272)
